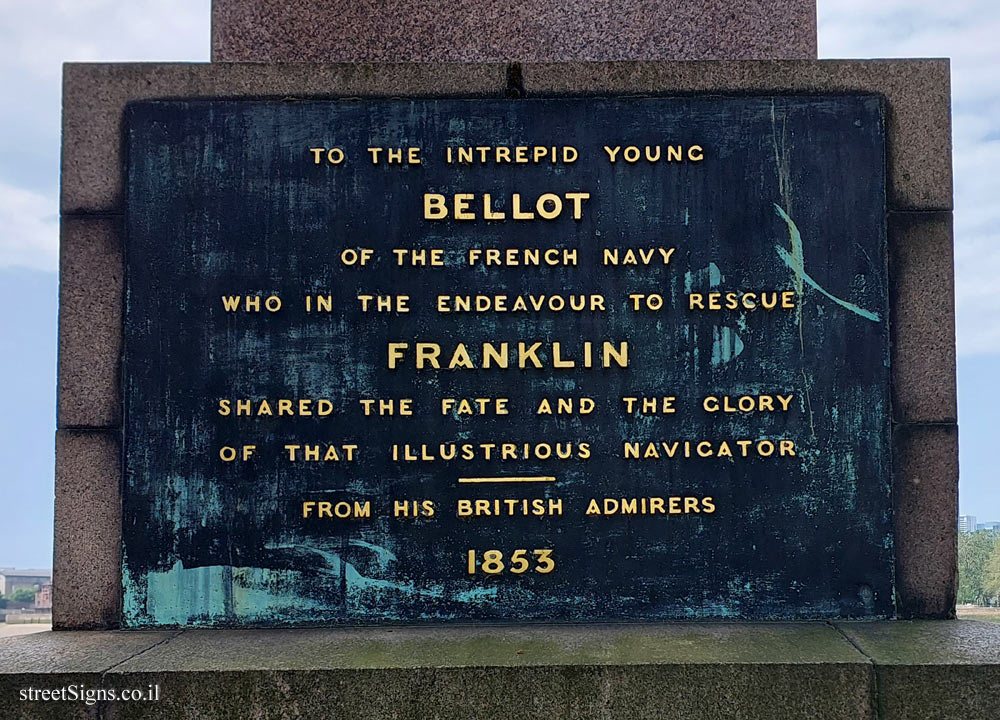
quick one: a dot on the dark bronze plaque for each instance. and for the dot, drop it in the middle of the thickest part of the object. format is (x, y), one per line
(526, 360)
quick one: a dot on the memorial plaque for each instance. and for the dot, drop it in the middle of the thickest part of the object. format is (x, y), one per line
(506, 361)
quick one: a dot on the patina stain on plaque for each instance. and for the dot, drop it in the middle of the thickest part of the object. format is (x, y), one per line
(547, 360)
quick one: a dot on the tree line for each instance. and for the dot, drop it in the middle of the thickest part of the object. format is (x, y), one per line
(979, 568)
(20, 596)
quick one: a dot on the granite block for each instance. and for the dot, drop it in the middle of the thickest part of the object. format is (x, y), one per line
(84, 651)
(922, 317)
(928, 669)
(718, 692)
(14, 708)
(602, 671)
(205, 650)
(95, 95)
(531, 30)
(925, 494)
(91, 279)
(917, 92)
(822, 691)
(926, 642)
(87, 556)
(933, 693)
(57, 660)
(933, 670)
(414, 694)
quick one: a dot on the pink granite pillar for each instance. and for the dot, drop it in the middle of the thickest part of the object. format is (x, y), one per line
(517, 30)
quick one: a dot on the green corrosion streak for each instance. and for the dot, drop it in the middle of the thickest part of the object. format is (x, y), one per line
(796, 262)
(726, 345)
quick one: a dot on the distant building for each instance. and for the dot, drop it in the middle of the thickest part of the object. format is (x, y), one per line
(12, 579)
(43, 598)
(991, 526)
(966, 523)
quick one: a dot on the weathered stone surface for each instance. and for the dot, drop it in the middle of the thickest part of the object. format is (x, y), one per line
(422, 30)
(90, 322)
(94, 98)
(411, 694)
(944, 669)
(922, 296)
(684, 671)
(684, 692)
(372, 648)
(688, 671)
(74, 652)
(935, 693)
(87, 557)
(823, 690)
(16, 709)
(933, 670)
(926, 642)
(56, 660)
(925, 461)
(917, 94)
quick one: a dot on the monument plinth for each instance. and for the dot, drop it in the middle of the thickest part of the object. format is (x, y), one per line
(536, 353)
(789, 200)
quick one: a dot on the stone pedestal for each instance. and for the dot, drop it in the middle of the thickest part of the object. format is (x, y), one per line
(88, 557)
(848, 671)
(806, 670)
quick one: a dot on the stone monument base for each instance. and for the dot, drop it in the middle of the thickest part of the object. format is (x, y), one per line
(884, 670)
(88, 545)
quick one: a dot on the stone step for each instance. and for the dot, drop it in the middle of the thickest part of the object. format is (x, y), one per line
(884, 670)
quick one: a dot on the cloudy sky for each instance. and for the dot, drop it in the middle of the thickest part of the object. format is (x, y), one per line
(36, 36)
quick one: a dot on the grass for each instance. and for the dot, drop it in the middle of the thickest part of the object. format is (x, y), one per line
(975, 612)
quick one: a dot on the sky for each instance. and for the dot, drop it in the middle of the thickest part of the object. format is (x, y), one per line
(36, 36)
